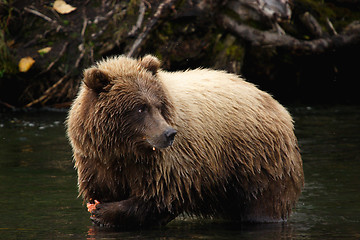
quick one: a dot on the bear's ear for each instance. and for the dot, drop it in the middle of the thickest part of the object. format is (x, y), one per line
(150, 63)
(96, 79)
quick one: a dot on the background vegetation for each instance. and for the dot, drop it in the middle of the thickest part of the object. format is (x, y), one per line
(300, 50)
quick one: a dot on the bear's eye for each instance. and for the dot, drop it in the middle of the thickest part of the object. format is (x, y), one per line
(143, 108)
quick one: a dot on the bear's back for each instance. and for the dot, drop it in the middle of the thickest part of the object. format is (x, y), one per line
(220, 96)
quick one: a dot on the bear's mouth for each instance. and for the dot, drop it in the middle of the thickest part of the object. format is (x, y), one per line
(160, 144)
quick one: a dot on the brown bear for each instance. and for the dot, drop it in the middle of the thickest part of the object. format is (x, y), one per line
(150, 145)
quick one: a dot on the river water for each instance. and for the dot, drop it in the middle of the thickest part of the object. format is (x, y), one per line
(39, 194)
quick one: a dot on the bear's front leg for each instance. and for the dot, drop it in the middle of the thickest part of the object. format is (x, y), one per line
(130, 213)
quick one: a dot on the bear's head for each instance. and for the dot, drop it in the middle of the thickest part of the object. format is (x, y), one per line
(131, 109)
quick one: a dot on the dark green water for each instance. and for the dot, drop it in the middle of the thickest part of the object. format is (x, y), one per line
(39, 194)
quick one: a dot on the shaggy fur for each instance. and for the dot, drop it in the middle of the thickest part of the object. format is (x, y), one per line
(235, 154)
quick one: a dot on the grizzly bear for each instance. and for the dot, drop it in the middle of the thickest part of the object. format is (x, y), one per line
(149, 145)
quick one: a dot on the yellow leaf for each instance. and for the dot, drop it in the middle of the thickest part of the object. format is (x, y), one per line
(25, 64)
(44, 50)
(62, 7)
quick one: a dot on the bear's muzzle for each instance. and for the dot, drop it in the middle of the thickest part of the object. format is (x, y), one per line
(163, 140)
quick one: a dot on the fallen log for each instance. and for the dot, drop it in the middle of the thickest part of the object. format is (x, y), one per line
(257, 37)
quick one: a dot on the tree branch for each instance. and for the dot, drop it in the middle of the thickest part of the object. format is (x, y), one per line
(140, 19)
(159, 12)
(269, 39)
(47, 94)
(56, 60)
(39, 14)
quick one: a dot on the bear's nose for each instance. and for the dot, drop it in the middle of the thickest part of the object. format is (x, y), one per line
(170, 134)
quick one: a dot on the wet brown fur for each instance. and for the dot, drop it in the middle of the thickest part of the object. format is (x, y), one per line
(235, 154)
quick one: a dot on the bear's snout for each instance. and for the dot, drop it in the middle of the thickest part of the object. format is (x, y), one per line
(170, 135)
(164, 139)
